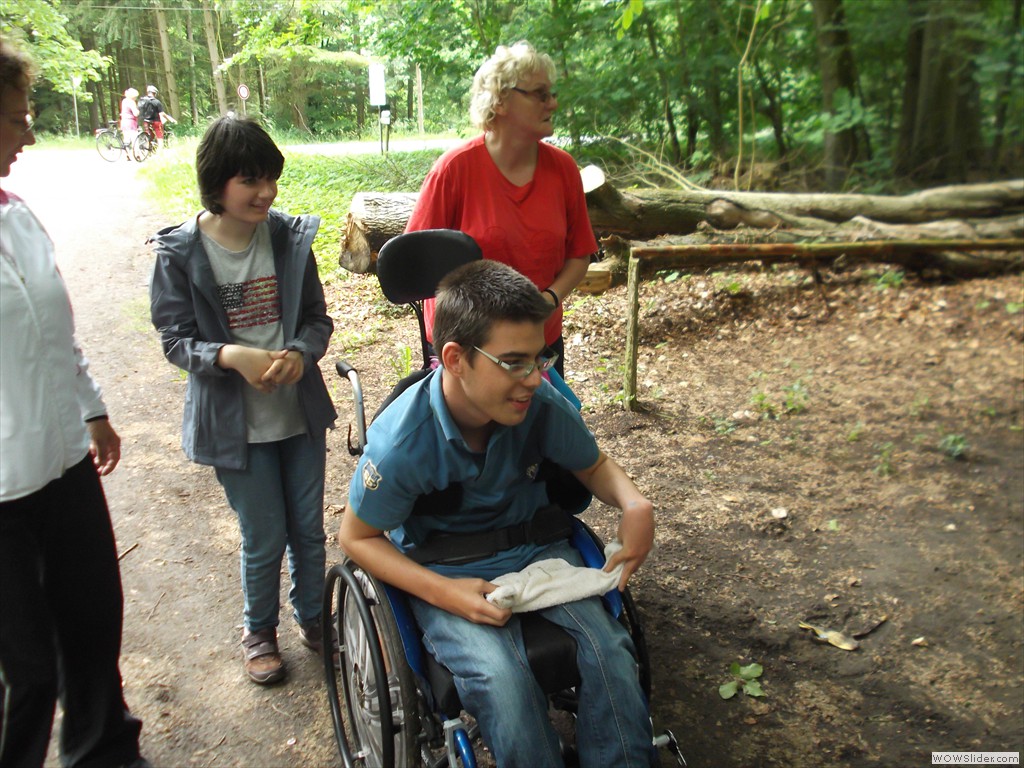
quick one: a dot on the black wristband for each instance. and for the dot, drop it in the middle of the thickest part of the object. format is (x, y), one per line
(102, 416)
(553, 296)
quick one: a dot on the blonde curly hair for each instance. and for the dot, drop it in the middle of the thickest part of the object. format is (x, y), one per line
(500, 73)
(17, 70)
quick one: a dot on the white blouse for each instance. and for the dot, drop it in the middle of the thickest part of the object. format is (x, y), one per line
(46, 391)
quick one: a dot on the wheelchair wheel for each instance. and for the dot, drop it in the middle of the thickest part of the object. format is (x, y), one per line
(380, 697)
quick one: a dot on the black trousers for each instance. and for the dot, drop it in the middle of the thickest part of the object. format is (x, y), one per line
(60, 627)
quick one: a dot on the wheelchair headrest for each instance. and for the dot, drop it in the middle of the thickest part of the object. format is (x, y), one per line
(410, 266)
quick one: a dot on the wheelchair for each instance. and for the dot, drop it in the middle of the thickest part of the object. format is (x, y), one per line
(391, 702)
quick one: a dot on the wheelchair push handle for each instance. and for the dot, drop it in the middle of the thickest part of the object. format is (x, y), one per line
(346, 371)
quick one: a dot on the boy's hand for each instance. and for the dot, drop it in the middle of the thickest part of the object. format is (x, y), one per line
(465, 598)
(636, 532)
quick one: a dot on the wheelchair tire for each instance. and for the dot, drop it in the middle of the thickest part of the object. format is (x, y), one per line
(382, 723)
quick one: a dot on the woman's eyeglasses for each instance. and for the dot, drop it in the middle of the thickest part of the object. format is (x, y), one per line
(543, 95)
(24, 123)
(544, 361)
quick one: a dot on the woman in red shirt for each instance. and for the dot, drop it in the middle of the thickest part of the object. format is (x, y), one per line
(519, 197)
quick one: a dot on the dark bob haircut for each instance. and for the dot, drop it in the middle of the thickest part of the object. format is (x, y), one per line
(234, 146)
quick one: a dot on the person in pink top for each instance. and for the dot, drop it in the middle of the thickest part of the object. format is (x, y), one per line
(519, 197)
(130, 115)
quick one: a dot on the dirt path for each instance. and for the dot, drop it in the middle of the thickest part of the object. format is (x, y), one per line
(800, 459)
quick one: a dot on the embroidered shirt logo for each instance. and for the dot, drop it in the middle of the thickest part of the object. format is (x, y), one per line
(531, 471)
(371, 477)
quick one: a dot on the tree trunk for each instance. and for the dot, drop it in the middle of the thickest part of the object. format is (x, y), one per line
(215, 61)
(192, 91)
(838, 74)
(946, 117)
(960, 212)
(168, 67)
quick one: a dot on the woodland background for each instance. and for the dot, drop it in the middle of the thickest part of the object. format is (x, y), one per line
(863, 95)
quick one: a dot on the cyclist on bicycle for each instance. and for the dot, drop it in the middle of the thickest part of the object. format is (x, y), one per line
(151, 109)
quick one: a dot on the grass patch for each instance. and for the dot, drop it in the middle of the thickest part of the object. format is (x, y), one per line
(316, 184)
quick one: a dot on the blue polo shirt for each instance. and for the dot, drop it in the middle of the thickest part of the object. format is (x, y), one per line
(414, 447)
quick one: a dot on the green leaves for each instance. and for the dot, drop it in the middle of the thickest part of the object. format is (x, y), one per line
(744, 678)
(631, 9)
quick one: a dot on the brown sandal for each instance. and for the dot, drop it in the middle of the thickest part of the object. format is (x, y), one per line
(261, 658)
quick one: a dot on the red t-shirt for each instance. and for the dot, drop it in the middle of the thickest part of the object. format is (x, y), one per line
(533, 228)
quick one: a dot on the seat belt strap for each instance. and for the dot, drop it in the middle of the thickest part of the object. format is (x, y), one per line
(549, 524)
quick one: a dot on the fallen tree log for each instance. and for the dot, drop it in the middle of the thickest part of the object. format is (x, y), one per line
(373, 219)
(644, 213)
(954, 212)
(969, 248)
(957, 254)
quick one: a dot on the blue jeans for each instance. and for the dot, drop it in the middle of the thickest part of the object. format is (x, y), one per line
(279, 499)
(496, 686)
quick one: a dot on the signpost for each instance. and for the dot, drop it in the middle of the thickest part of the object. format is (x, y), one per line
(75, 82)
(379, 99)
(243, 94)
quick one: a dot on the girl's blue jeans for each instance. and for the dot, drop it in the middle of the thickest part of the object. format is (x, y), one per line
(279, 500)
(497, 687)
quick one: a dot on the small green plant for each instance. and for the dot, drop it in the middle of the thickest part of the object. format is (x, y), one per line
(891, 278)
(884, 466)
(401, 363)
(855, 433)
(743, 679)
(723, 425)
(763, 404)
(671, 276)
(795, 397)
(919, 406)
(954, 446)
(1014, 307)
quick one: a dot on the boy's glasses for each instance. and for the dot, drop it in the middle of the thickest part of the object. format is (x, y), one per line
(543, 95)
(544, 361)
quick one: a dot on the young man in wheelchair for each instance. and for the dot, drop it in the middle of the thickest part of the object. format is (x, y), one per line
(481, 424)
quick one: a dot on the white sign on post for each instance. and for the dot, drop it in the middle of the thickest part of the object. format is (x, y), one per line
(243, 94)
(377, 96)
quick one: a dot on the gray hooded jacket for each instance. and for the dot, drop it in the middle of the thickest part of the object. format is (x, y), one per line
(193, 327)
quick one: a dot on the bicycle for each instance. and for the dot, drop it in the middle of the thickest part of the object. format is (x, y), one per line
(111, 145)
(146, 143)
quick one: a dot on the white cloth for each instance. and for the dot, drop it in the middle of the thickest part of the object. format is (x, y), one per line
(46, 391)
(552, 582)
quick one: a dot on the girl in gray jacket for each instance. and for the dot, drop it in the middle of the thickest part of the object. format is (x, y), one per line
(239, 306)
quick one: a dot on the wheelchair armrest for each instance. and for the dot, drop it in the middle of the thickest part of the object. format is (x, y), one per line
(585, 541)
